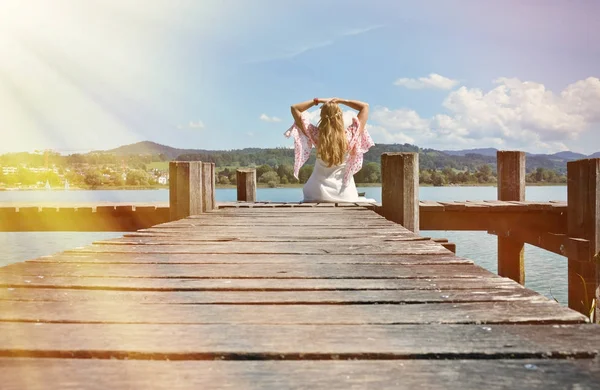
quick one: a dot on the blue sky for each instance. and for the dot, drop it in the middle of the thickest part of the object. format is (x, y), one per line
(77, 76)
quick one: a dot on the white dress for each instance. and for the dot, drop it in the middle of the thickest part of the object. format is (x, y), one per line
(326, 184)
(335, 183)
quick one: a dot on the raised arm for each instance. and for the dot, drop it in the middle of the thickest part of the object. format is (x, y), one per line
(299, 108)
(361, 107)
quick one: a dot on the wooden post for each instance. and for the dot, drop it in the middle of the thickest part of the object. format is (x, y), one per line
(185, 183)
(583, 216)
(208, 178)
(400, 188)
(511, 186)
(246, 185)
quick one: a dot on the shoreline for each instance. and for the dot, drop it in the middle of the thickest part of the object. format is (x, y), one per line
(259, 185)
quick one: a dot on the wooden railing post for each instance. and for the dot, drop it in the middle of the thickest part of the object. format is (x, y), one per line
(583, 216)
(246, 185)
(185, 184)
(208, 187)
(511, 186)
(400, 188)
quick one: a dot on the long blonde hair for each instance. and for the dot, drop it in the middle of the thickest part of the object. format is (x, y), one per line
(332, 145)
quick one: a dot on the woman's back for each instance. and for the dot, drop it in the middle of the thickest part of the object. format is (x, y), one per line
(340, 152)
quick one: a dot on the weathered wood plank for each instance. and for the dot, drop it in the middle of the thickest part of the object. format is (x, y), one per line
(149, 237)
(336, 223)
(133, 258)
(274, 232)
(175, 342)
(291, 213)
(174, 284)
(308, 248)
(480, 219)
(184, 239)
(440, 313)
(68, 374)
(270, 297)
(555, 243)
(279, 271)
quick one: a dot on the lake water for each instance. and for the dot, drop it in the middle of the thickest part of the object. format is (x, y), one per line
(545, 272)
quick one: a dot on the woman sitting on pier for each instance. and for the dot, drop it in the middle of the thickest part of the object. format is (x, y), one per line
(339, 149)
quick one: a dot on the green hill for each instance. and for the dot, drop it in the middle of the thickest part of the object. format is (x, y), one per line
(428, 158)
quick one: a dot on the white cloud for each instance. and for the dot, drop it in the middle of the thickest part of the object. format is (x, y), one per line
(271, 119)
(513, 114)
(389, 137)
(401, 119)
(196, 125)
(192, 125)
(434, 80)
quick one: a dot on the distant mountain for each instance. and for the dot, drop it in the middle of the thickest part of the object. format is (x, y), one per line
(490, 152)
(151, 148)
(569, 156)
(428, 158)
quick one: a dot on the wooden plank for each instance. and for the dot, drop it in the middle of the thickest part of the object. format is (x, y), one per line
(497, 206)
(369, 217)
(555, 243)
(493, 282)
(267, 231)
(400, 248)
(425, 205)
(314, 219)
(350, 224)
(530, 374)
(480, 219)
(541, 206)
(456, 206)
(270, 297)
(191, 240)
(176, 342)
(290, 237)
(442, 313)
(276, 271)
(400, 188)
(132, 258)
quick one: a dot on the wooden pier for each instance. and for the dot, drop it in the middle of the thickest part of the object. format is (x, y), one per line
(297, 295)
(282, 297)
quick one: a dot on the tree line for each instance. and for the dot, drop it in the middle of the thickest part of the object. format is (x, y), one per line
(371, 174)
(274, 167)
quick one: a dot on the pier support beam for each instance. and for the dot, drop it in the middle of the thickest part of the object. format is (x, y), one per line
(186, 190)
(511, 187)
(583, 215)
(400, 188)
(246, 184)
